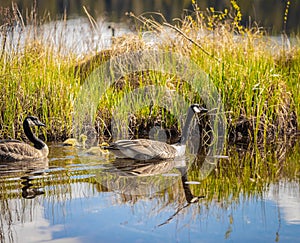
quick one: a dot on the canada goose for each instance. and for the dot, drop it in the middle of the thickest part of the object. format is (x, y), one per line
(144, 149)
(14, 150)
(112, 30)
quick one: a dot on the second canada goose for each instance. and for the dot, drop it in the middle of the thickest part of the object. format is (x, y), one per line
(14, 150)
(144, 149)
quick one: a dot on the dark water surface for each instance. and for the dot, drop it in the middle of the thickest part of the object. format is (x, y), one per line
(266, 13)
(78, 197)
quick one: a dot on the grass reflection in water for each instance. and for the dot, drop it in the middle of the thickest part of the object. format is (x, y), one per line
(71, 189)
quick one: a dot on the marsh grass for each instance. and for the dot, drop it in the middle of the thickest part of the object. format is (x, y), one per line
(252, 71)
(35, 80)
(146, 111)
(256, 77)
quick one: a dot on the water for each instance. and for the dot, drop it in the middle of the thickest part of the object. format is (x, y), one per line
(75, 197)
(260, 12)
(77, 36)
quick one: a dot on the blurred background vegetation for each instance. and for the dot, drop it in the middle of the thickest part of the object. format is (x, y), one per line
(266, 13)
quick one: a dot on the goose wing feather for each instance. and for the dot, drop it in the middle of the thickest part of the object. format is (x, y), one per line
(142, 149)
(17, 150)
(10, 140)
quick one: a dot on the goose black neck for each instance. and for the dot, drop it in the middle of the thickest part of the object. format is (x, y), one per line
(184, 178)
(186, 126)
(38, 144)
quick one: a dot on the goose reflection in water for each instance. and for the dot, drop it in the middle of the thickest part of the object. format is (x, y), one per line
(28, 189)
(24, 173)
(144, 177)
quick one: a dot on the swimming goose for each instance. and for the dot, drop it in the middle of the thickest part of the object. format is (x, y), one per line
(144, 149)
(14, 150)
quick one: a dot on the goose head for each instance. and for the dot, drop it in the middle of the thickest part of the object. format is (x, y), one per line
(193, 109)
(34, 121)
(29, 122)
(198, 109)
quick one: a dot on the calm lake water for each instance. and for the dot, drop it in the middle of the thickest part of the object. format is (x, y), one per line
(79, 37)
(77, 197)
(266, 13)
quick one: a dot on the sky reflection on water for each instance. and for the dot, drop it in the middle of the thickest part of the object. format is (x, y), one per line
(77, 210)
(93, 218)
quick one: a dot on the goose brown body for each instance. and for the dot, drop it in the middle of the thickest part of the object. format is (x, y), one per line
(144, 149)
(15, 150)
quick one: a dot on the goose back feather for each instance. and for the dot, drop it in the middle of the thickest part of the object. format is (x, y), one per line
(142, 149)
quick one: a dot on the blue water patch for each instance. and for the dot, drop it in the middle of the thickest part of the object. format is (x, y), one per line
(106, 217)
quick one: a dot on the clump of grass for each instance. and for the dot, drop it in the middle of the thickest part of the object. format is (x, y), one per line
(257, 94)
(287, 64)
(36, 80)
(38, 84)
(148, 106)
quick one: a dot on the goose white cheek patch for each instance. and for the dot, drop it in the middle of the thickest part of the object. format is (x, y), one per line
(196, 109)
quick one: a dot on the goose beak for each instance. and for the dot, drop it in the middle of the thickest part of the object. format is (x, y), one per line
(40, 124)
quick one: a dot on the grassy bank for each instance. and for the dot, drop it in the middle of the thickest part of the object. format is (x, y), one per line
(256, 76)
(36, 81)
